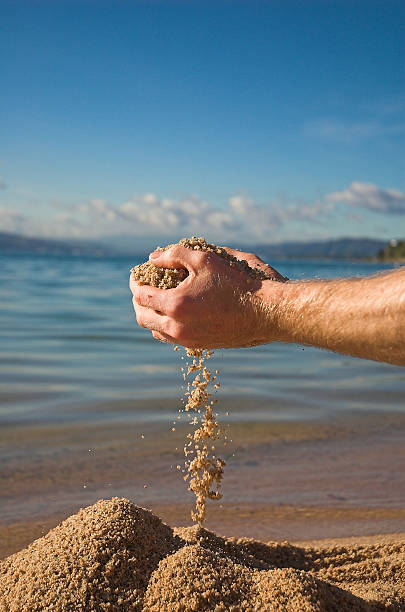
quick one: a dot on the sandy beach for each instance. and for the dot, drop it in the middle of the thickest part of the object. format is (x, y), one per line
(202, 306)
(115, 555)
(316, 485)
(87, 404)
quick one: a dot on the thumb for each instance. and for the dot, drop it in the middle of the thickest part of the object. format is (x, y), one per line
(177, 257)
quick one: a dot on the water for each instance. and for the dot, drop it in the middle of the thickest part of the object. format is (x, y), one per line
(69, 341)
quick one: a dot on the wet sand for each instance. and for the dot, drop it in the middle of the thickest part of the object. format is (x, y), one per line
(284, 480)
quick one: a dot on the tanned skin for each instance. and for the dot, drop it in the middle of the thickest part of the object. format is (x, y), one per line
(218, 306)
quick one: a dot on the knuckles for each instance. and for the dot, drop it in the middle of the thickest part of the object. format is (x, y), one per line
(177, 330)
(179, 307)
(139, 313)
(140, 319)
(175, 251)
(205, 258)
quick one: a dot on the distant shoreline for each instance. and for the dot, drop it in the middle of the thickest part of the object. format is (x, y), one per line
(387, 260)
(343, 248)
(143, 256)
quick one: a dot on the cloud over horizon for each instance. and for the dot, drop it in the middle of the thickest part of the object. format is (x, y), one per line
(142, 215)
(147, 215)
(371, 197)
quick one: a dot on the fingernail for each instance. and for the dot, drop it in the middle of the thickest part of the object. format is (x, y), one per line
(154, 255)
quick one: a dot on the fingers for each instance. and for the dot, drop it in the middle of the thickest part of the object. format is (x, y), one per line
(150, 297)
(165, 300)
(166, 327)
(163, 337)
(169, 302)
(251, 259)
(242, 255)
(256, 262)
(179, 257)
(150, 319)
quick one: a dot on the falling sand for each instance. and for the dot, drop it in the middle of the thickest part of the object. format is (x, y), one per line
(116, 556)
(204, 469)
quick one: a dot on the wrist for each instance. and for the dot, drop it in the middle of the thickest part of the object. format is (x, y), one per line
(278, 301)
(289, 306)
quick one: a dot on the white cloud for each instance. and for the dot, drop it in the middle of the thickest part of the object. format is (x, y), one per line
(221, 221)
(242, 205)
(148, 216)
(153, 213)
(258, 221)
(143, 215)
(372, 197)
(265, 221)
(11, 221)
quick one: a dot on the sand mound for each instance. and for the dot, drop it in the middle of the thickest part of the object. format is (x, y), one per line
(98, 559)
(200, 579)
(117, 556)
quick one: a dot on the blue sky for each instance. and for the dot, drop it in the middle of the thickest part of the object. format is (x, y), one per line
(242, 121)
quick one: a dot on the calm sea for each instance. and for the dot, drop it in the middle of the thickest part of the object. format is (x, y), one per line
(69, 339)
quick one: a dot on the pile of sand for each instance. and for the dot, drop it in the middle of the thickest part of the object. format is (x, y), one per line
(117, 556)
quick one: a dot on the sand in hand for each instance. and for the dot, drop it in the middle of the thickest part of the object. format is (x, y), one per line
(203, 468)
(116, 556)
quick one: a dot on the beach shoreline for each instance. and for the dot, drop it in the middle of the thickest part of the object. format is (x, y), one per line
(284, 480)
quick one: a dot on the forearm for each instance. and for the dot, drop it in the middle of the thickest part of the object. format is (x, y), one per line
(359, 317)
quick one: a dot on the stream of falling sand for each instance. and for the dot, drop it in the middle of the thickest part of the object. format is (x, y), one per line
(203, 470)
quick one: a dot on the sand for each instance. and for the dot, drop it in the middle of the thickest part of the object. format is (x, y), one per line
(203, 471)
(284, 480)
(166, 278)
(117, 556)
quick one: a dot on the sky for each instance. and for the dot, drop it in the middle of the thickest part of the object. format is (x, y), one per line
(257, 121)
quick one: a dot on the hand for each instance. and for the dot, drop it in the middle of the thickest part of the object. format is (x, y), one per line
(216, 306)
(255, 262)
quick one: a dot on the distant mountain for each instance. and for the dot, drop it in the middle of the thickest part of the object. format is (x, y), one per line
(17, 243)
(340, 248)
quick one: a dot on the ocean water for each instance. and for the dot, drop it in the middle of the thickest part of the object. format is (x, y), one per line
(69, 340)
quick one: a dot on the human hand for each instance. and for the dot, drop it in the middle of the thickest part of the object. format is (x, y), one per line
(255, 262)
(216, 306)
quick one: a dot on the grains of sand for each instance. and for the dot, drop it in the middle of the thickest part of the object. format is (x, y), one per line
(168, 278)
(204, 469)
(114, 556)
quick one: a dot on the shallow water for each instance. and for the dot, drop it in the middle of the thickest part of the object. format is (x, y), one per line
(87, 400)
(69, 338)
